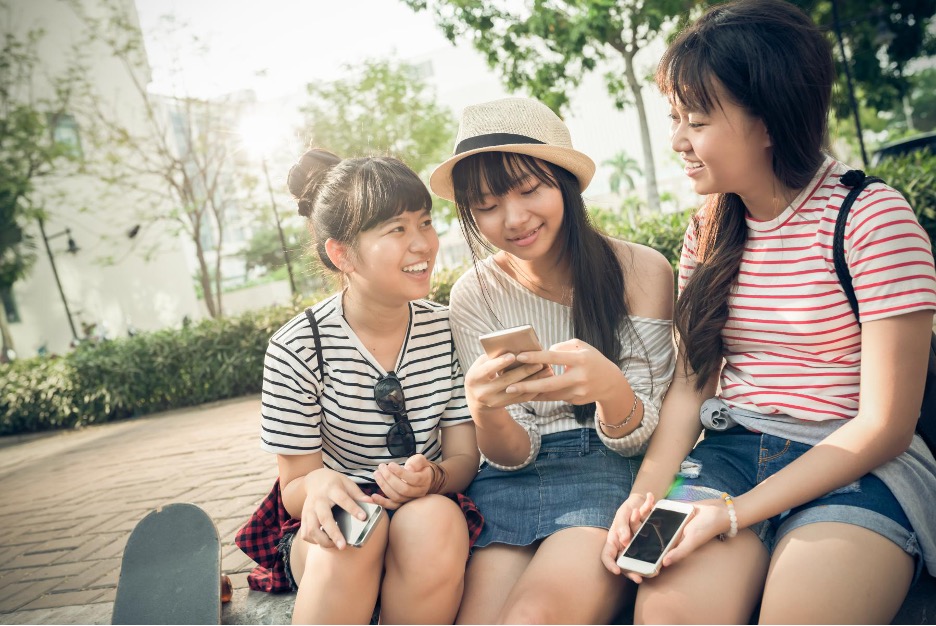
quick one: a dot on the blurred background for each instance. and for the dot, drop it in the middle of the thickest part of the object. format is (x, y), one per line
(145, 146)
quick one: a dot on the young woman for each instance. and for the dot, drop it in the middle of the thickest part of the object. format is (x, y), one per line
(560, 447)
(809, 472)
(363, 401)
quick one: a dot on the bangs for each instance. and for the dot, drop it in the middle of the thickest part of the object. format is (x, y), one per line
(384, 189)
(685, 75)
(495, 174)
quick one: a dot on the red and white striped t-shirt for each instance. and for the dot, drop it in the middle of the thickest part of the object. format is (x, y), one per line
(792, 344)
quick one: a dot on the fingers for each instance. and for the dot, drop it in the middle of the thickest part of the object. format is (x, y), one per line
(386, 503)
(609, 554)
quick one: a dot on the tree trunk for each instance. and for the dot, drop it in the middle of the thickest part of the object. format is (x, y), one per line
(205, 279)
(653, 193)
(7, 336)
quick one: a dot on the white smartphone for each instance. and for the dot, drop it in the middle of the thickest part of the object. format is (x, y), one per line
(644, 554)
(357, 531)
(514, 340)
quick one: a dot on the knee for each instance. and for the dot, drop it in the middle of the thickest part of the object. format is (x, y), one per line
(659, 608)
(431, 529)
(335, 564)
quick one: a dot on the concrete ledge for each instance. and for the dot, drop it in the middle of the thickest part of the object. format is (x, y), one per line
(256, 607)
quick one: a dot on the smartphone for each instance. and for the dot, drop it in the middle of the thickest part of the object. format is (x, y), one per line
(514, 340)
(357, 531)
(644, 554)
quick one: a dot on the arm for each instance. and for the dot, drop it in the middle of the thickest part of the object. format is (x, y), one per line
(893, 367)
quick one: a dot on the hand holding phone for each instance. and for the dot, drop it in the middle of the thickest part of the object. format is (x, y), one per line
(513, 340)
(356, 531)
(655, 537)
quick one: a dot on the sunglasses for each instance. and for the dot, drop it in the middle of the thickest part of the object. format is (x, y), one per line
(388, 393)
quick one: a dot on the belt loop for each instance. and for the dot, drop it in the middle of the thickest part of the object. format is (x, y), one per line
(585, 441)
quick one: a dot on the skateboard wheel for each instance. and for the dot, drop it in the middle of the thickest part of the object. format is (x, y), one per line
(227, 589)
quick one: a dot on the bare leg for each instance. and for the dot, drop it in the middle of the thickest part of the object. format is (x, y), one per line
(839, 574)
(565, 583)
(338, 586)
(720, 583)
(492, 573)
(425, 563)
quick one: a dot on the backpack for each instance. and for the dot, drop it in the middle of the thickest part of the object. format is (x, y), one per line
(856, 179)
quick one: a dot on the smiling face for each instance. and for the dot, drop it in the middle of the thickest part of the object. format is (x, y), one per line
(525, 218)
(394, 260)
(724, 149)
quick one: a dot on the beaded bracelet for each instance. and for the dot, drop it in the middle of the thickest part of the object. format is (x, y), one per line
(732, 518)
(626, 419)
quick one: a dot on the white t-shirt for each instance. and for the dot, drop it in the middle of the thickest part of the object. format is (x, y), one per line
(304, 411)
(793, 345)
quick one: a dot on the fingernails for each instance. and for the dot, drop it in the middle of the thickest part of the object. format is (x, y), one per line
(523, 358)
(510, 389)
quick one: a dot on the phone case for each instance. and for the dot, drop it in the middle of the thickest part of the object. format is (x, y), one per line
(356, 531)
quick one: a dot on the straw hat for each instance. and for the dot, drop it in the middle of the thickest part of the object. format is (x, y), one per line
(518, 125)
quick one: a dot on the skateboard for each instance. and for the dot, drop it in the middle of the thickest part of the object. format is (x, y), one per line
(171, 570)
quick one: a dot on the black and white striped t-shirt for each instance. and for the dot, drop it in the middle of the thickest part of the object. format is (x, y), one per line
(305, 412)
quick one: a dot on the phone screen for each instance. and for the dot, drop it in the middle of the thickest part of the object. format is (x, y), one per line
(655, 534)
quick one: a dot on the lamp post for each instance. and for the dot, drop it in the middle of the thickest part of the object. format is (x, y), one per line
(258, 134)
(279, 228)
(72, 249)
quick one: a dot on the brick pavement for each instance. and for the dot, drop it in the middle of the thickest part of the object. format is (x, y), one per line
(69, 500)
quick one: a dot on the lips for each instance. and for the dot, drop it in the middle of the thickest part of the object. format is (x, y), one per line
(526, 237)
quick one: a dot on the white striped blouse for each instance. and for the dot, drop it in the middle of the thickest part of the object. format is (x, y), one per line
(792, 344)
(304, 411)
(648, 364)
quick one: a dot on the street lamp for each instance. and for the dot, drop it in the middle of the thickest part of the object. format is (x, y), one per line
(72, 249)
(258, 135)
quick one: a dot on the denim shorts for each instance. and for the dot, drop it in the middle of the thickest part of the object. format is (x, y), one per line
(574, 481)
(736, 460)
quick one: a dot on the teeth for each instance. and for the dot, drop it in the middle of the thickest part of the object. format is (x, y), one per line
(693, 166)
(525, 235)
(417, 267)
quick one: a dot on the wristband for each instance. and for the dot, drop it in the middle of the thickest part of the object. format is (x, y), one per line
(626, 419)
(732, 518)
(439, 476)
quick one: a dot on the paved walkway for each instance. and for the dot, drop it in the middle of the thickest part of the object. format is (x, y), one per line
(69, 500)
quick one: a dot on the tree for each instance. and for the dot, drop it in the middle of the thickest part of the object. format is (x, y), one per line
(549, 47)
(176, 155)
(623, 168)
(28, 152)
(385, 107)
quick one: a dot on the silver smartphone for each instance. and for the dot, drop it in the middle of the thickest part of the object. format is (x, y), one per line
(514, 340)
(357, 531)
(659, 532)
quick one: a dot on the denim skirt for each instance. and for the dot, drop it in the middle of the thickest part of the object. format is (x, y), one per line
(574, 481)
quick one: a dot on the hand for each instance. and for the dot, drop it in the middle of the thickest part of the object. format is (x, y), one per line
(626, 522)
(709, 520)
(588, 376)
(324, 489)
(486, 382)
(403, 483)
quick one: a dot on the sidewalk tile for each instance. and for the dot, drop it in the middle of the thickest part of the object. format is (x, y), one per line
(17, 595)
(69, 598)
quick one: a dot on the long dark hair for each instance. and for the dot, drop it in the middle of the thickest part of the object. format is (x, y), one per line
(599, 308)
(342, 198)
(775, 63)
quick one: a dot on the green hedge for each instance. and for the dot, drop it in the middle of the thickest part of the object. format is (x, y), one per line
(99, 382)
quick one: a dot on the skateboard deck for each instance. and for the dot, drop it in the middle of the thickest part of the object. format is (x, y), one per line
(171, 570)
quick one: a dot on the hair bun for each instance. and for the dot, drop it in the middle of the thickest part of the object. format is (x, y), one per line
(304, 176)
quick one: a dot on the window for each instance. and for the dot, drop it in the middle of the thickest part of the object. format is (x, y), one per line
(9, 305)
(65, 133)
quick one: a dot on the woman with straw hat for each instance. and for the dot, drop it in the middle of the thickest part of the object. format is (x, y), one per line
(562, 435)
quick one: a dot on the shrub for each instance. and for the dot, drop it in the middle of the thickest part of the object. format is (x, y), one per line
(664, 232)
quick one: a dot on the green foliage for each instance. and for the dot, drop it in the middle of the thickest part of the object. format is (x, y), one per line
(664, 232)
(442, 281)
(100, 382)
(383, 108)
(914, 175)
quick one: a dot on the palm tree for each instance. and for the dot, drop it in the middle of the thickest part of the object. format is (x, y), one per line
(623, 168)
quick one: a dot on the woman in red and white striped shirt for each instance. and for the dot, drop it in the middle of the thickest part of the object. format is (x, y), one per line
(809, 472)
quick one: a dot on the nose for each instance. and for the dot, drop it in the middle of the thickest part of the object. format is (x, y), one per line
(423, 240)
(678, 140)
(515, 213)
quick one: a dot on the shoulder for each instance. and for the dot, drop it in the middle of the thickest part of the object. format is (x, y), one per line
(648, 278)
(468, 287)
(298, 329)
(426, 311)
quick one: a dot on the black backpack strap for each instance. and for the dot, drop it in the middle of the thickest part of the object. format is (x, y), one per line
(857, 180)
(318, 342)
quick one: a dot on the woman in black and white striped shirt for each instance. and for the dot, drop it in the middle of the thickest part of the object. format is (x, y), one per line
(363, 401)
